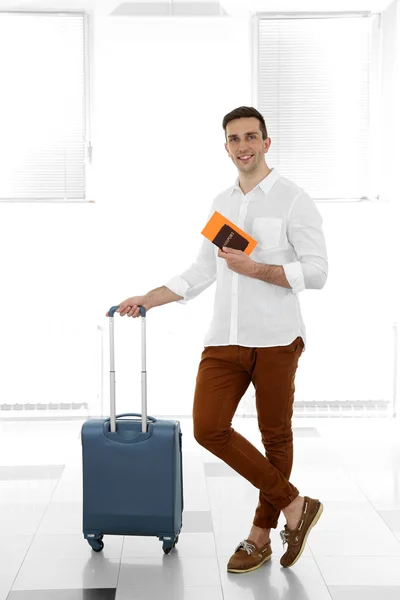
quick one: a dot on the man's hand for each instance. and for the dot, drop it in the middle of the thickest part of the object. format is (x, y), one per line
(130, 306)
(238, 261)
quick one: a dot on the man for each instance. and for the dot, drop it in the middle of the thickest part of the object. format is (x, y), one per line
(257, 333)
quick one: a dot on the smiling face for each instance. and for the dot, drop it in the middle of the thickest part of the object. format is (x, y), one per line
(244, 139)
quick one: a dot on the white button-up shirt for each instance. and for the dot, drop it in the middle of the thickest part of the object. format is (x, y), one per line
(287, 225)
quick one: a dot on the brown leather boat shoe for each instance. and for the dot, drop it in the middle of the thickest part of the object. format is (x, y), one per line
(296, 539)
(248, 557)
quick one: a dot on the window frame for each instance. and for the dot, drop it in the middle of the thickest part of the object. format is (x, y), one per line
(87, 95)
(374, 88)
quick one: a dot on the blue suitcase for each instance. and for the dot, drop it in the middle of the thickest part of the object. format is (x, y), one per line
(132, 470)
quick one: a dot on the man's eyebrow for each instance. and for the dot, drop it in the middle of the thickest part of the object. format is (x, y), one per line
(247, 133)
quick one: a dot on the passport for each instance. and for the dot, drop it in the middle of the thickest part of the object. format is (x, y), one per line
(230, 238)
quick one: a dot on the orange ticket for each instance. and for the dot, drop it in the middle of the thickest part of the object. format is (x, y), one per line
(222, 232)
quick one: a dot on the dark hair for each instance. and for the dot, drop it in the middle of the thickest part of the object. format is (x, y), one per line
(245, 111)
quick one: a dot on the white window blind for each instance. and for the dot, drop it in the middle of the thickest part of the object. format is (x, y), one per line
(42, 106)
(314, 90)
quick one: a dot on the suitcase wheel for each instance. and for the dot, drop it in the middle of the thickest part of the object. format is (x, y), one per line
(168, 545)
(96, 545)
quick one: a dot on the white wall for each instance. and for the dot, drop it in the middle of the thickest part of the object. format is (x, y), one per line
(48, 331)
(161, 89)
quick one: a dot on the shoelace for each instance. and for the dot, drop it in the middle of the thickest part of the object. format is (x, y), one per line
(249, 548)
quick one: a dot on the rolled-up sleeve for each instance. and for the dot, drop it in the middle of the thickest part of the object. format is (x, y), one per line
(304, 232)
(199, 276)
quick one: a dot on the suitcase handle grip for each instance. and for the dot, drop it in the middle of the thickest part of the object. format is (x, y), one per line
(152, 419)
(114, 308)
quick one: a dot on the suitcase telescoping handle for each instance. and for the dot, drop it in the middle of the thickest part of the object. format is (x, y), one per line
(113, 419)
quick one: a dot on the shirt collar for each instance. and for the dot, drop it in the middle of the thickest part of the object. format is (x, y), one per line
(265, 184)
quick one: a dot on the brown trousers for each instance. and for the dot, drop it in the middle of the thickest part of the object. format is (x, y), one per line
(224, 374)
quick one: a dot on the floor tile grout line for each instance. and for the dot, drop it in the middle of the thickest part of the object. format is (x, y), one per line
(325, 443)
(120, 565)
(36, 530)
(347, 470)
(213, 531)
(319, 569)
(33, 537)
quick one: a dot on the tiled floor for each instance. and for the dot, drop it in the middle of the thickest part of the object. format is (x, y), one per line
(353, 553)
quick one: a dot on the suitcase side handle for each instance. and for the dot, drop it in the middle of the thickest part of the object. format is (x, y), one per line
(114, 308)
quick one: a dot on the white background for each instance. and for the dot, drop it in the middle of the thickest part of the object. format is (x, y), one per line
(160, 90)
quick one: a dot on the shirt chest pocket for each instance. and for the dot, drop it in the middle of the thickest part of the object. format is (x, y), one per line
(267, 232)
